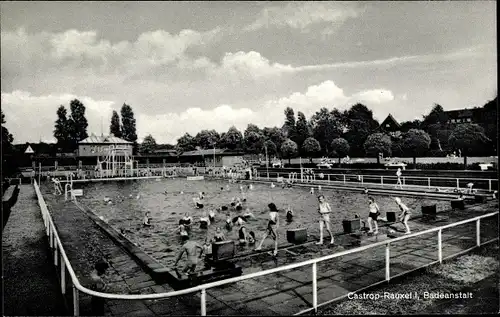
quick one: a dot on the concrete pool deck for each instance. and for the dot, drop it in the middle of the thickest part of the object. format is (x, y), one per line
(283, 293)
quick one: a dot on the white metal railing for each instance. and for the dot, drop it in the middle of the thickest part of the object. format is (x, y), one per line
(59, 253)
(428, 182)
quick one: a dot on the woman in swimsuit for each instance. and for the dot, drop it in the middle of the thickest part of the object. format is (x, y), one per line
(324, 210)
(182, 231)
(186, 221)
(405, 214)
(373, 215)
(204, 221)
(272, 228)
(229, 225)
(211, 215)
(289, 214)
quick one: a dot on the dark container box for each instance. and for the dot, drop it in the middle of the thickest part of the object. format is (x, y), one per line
(223, 250)
(480, 198)
(296, 236)
(351, 225)
(391, 216)
(458, 204)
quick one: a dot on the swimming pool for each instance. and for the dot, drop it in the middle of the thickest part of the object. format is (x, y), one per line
(131, 199)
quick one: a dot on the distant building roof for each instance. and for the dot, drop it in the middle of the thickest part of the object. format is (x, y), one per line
(209, 152)
(462, 113)
(103, 139)
(390, 120)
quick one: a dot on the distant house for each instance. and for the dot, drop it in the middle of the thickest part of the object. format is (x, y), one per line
(464, 115)
(222, 157)
(390, 126)
(95, 146)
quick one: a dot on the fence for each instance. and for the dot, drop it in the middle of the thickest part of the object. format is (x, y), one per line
(382, 180)
(66, 268)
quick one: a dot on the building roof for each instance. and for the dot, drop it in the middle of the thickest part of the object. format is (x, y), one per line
(209, 152)
(389, 119)
(103, 139)
(462, 113)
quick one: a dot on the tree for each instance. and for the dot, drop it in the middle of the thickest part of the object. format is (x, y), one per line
(251, 128)
(254, 142)
(359, 125)
(77, 123)
(468, 138)
(326, 126)
(185, 143)
(271, 148)
(303, 129)
(207, 139)
(289, 149)
(129, 132)
(311, 147)
(289, 126)
(233, 139)
(115, 126)
(148, 144)
(340, 148)
(416, 142)
(378, 143)
(407, 125)
(61, 129)
(7, 138)
(489, 120)
(275, 135)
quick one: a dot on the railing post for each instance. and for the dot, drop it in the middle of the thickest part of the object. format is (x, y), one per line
(203, 302)
(458, 184)
(404, 180)
(387, 263)
(267, 175)
(440, 247)
(328, 178)
(428, 182)
(76, 302)
(381, 180)
(362, 180)
(489, 185)
(63, 276)
(55, 253)
(50, 236)
(315, 286)
(478, 232)
(344, 178)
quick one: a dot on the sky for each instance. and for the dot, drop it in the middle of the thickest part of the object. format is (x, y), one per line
(188, 66)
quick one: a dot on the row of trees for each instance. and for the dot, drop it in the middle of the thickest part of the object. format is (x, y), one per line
(353, 132)
(69, 130)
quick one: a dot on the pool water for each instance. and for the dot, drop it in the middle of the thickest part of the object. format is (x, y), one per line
(131, 199)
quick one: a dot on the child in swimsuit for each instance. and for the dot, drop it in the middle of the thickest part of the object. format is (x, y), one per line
(211, 215)
(405, 214)
(373, 215)
(219, 236)
(204, 221)
(324, 210)
(272, 228)
(289, 214)
(147, 219)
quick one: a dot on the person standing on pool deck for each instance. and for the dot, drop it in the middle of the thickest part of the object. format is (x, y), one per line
(398, 174)
(373, 215)
(190, 248)
(324, 210)
(272, 228)
(98, 285)
(405, 214)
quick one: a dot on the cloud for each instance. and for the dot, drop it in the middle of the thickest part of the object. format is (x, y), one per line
(302, 15)
(85, 48)
(170, 126)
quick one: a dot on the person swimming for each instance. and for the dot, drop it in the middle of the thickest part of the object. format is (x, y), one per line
(272, 185)
(197, 203)
(211, 215)
(204, 221)
(248, 215)
(147, 219)
(312, 190)
(219, 235)
(182, 231)
(201, 195)
(186, 220)
(289, 214)
(242, 232)
(229, 225)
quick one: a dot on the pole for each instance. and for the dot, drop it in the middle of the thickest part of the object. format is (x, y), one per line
(39, 171)
(267, 161)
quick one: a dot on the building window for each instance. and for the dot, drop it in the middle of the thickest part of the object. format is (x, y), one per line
(387, 125)
(459, 120)
(469, 119)
(452, 120)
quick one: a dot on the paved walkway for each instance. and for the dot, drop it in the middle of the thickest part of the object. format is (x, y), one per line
(29, 278)
(283, 293)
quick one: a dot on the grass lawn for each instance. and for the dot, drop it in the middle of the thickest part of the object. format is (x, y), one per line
(476, 273)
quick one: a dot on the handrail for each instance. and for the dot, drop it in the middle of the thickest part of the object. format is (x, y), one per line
(204, 287)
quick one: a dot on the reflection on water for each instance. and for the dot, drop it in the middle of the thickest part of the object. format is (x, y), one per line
(131, 199)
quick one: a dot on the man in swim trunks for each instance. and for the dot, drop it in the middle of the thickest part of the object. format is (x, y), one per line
(190, 248)
(324, 210)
